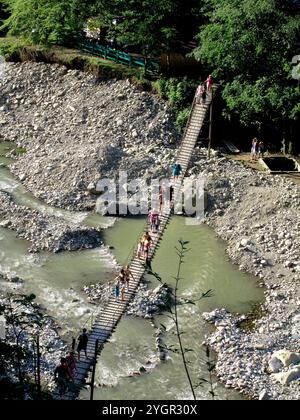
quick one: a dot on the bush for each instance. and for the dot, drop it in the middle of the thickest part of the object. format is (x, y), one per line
(182, 119)
(179, 93)
(46, 22)
(9, 46)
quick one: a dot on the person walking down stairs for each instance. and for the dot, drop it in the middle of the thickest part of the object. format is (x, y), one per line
(201, 94)
(176, 171)
(82, 343)
(209, 84)
(153, 220)
(62, 378)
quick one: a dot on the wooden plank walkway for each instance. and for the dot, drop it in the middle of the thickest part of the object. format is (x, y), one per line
(107, 321)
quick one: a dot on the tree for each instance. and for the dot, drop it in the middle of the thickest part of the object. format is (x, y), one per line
(134, 23)
(250, 45)
(45, 21)
(25, 322)
(152, 25)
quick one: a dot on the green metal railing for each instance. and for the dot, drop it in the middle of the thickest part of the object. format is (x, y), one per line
(92, 47)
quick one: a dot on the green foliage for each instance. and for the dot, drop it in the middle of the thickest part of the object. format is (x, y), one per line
(150, 25)
(10, 45)
(10, 390)
(250, 45)
(179, 92)
(24, 322)
(182, 118)
(139, 23)
(44, 21)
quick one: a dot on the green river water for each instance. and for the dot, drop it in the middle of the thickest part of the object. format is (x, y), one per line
(57, 281)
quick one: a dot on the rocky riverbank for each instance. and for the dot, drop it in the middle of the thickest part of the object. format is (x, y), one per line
(46, 232)
(145, 304)
(77, 130)
(258, 215)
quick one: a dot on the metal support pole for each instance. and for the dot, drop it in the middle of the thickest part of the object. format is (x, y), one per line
(94, 370)
(38, 366)
(210, 125)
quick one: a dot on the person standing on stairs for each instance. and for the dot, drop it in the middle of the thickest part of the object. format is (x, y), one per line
(82, 343)
(62, 377)
(161, 198)
(128, 274)
(209, 84)
(171, 193)
(140, 250)
(176, 171)
(122, 276)
(117, 288)
(148, 265)
(201, 94)
(147, 243)
(123, 291)
(153, 220)
(71, 363)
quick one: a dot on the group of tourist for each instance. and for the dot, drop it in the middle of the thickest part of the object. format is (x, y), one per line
(143, 250)
(257, 149)
(66, 371)
(204, 89)
(122, 282)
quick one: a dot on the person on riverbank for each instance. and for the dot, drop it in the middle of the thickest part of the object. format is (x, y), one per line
(176, 171)
(261, 149)
(62, 377)
(254, 149)
(153, 218)
(82, 343)
(71, 363)
(128, 274)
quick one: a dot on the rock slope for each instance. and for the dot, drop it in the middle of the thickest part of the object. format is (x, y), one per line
(259, 217)
(77, 130)
(46, 232)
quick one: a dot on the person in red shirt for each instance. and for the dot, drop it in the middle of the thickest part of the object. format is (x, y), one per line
(62, 377)
(209, 83)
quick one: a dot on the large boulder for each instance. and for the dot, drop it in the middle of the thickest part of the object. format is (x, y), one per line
(285, 378)
(286, 357)
(275, 365)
